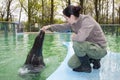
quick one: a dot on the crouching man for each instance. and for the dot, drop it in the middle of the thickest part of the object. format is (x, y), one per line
(89, 42)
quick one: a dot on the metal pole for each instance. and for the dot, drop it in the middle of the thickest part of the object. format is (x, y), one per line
(5, 25)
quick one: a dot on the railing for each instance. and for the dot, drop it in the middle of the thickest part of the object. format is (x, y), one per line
(111, 29)
(6, 27)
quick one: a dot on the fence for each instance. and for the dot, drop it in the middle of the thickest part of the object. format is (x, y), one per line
(6, 27)
(10, 27)
(111, 29)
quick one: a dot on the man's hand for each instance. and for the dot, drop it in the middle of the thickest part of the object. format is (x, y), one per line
(44, 28)
(74, 36)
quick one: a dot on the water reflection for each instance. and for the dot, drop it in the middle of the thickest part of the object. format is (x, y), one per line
(14, 49)
(113, 43)
(31, 76)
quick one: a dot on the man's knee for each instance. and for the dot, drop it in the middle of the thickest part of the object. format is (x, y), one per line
(74, 62)
(80, 48)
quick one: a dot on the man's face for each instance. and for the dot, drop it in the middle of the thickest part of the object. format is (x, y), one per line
(70, 19)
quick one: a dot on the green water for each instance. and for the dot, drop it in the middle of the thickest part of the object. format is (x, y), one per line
(14, 49)
(113, 43)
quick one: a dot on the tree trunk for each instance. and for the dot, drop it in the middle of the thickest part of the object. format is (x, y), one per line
(102, 11)
(119, 14)
(113, 13)
(20, 15)
(96, 9)
(81, 4)
(2, 16)
(8, 9)
(69, 2)
(100, 5)
(99, 11)
(29, 17)
(42, 11)
(107, 13)
(52, 12)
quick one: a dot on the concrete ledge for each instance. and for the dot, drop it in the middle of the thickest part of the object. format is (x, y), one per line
(110, 69)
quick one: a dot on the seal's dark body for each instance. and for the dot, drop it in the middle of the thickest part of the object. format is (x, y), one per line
(35, 57)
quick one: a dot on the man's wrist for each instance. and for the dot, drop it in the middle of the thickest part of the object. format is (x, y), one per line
(48, 26)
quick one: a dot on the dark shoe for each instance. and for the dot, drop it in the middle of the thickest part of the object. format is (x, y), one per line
(85, 65)
(96, 63)
(82, 69)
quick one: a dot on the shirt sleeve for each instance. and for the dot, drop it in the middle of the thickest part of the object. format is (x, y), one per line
(60, 27)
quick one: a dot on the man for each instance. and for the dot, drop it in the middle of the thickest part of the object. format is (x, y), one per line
(89, 42)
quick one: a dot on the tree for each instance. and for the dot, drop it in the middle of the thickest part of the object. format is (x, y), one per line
(20, 11)
(96, 9)
(81, 4)
(8, 3)
(113, 13)
(6, 10)
(2, 11)
(31, 7)
(69, 2)
(119, 14)
(42, 10)
(107, 12)
(52, 12)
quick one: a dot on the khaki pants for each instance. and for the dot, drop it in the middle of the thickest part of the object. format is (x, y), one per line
(81, 49)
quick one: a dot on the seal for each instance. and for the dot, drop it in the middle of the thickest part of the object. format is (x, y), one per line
(34, 62)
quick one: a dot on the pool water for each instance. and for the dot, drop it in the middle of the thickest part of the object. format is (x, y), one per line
(113, 43)
(14, 49)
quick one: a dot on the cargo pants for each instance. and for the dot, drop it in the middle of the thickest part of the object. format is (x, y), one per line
(81, 49)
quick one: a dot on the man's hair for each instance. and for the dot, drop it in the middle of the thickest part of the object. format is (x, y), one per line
(72, 10)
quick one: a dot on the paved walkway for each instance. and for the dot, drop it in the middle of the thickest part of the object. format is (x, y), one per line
(110, 69)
